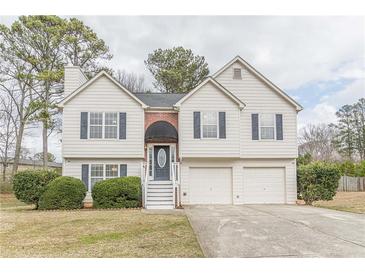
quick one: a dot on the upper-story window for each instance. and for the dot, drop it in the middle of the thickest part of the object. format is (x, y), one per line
(267, 126)
(111, 125)
(237, 73)
(209, 123)
(96, 125)
(103, 125)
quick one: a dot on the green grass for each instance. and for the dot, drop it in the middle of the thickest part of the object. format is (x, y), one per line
(25, 232)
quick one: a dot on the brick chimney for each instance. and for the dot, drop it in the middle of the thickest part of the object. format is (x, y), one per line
(74, 78)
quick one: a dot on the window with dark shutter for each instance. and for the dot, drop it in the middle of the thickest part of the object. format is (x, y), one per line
(279, 126)
(255, 126)
(122, 170)
(196, 123)
(122, 125)
(222, 125)
(85, 175)
(83, 125)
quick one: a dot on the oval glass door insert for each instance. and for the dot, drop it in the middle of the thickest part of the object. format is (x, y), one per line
(161, 157)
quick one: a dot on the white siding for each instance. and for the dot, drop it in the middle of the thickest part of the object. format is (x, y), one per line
(209, 98)
(102, 96)
(72, 167)
(259, 98)
(237, 175)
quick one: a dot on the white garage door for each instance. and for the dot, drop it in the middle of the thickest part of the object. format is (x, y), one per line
(264, 185)
(210, 185)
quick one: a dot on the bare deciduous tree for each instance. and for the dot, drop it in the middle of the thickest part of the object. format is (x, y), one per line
(8, 131)
(317, 140)
(131, 81)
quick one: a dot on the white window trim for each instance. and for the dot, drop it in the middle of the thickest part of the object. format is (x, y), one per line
(201, 126)
(259, 122)
(153, 158)
(104, 173)
(102, 126)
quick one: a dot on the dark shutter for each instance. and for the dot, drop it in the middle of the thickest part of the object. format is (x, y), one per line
(123, 170)
(222, 125)
(85, 175)
(122, 125)
(255, 126)
(196, 125)
(83, 125)
(279, 126)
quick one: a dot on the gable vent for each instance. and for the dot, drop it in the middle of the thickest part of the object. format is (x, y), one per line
(237, 73)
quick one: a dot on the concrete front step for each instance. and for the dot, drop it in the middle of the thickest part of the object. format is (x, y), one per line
(160, 190)
(169, 198)
(159, 194)
(160, 206)
(168, 202)
(160, 182)
(159, 187)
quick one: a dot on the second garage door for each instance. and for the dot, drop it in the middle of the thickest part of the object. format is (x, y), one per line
(264, 185)
(210, 185)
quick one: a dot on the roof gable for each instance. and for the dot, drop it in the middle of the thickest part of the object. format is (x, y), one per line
(92, 80)
(262, 78)
(230, 95)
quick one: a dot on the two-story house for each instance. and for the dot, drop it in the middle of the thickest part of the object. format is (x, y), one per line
(230, 140)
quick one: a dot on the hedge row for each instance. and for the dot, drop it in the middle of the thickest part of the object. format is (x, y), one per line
(47, 190)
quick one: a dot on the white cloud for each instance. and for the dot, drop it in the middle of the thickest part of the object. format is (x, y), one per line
(349, 95)
(321, 113)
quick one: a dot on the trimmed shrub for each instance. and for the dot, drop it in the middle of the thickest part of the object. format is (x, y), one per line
(318, 181)
(29, 185)
(123, 192)
(63, 193)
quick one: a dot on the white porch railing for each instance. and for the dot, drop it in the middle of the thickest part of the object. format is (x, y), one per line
(175, 175)
(144, 182)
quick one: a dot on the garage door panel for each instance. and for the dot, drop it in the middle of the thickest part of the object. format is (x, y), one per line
(210, 185)
(264, 185)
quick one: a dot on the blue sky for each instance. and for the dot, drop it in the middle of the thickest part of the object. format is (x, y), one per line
(319, 61)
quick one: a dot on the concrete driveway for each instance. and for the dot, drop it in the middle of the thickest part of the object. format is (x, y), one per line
(277, 231)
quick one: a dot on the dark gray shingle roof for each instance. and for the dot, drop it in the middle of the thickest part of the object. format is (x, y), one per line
(159, 99)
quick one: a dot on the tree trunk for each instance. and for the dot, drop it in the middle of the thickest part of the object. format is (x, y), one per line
(18, 146)
(45, 145)
(4, 172)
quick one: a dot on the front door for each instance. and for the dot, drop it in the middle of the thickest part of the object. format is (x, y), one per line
(162, 163)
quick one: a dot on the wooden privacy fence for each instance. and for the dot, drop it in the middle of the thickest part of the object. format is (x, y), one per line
(347, 183)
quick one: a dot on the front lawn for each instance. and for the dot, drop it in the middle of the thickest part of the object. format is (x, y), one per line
(25, 232)
(345, 201)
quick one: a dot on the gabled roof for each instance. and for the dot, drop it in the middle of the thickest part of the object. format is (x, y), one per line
(160, 100)
(261, 77)
(92, 80)
(217, 85)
